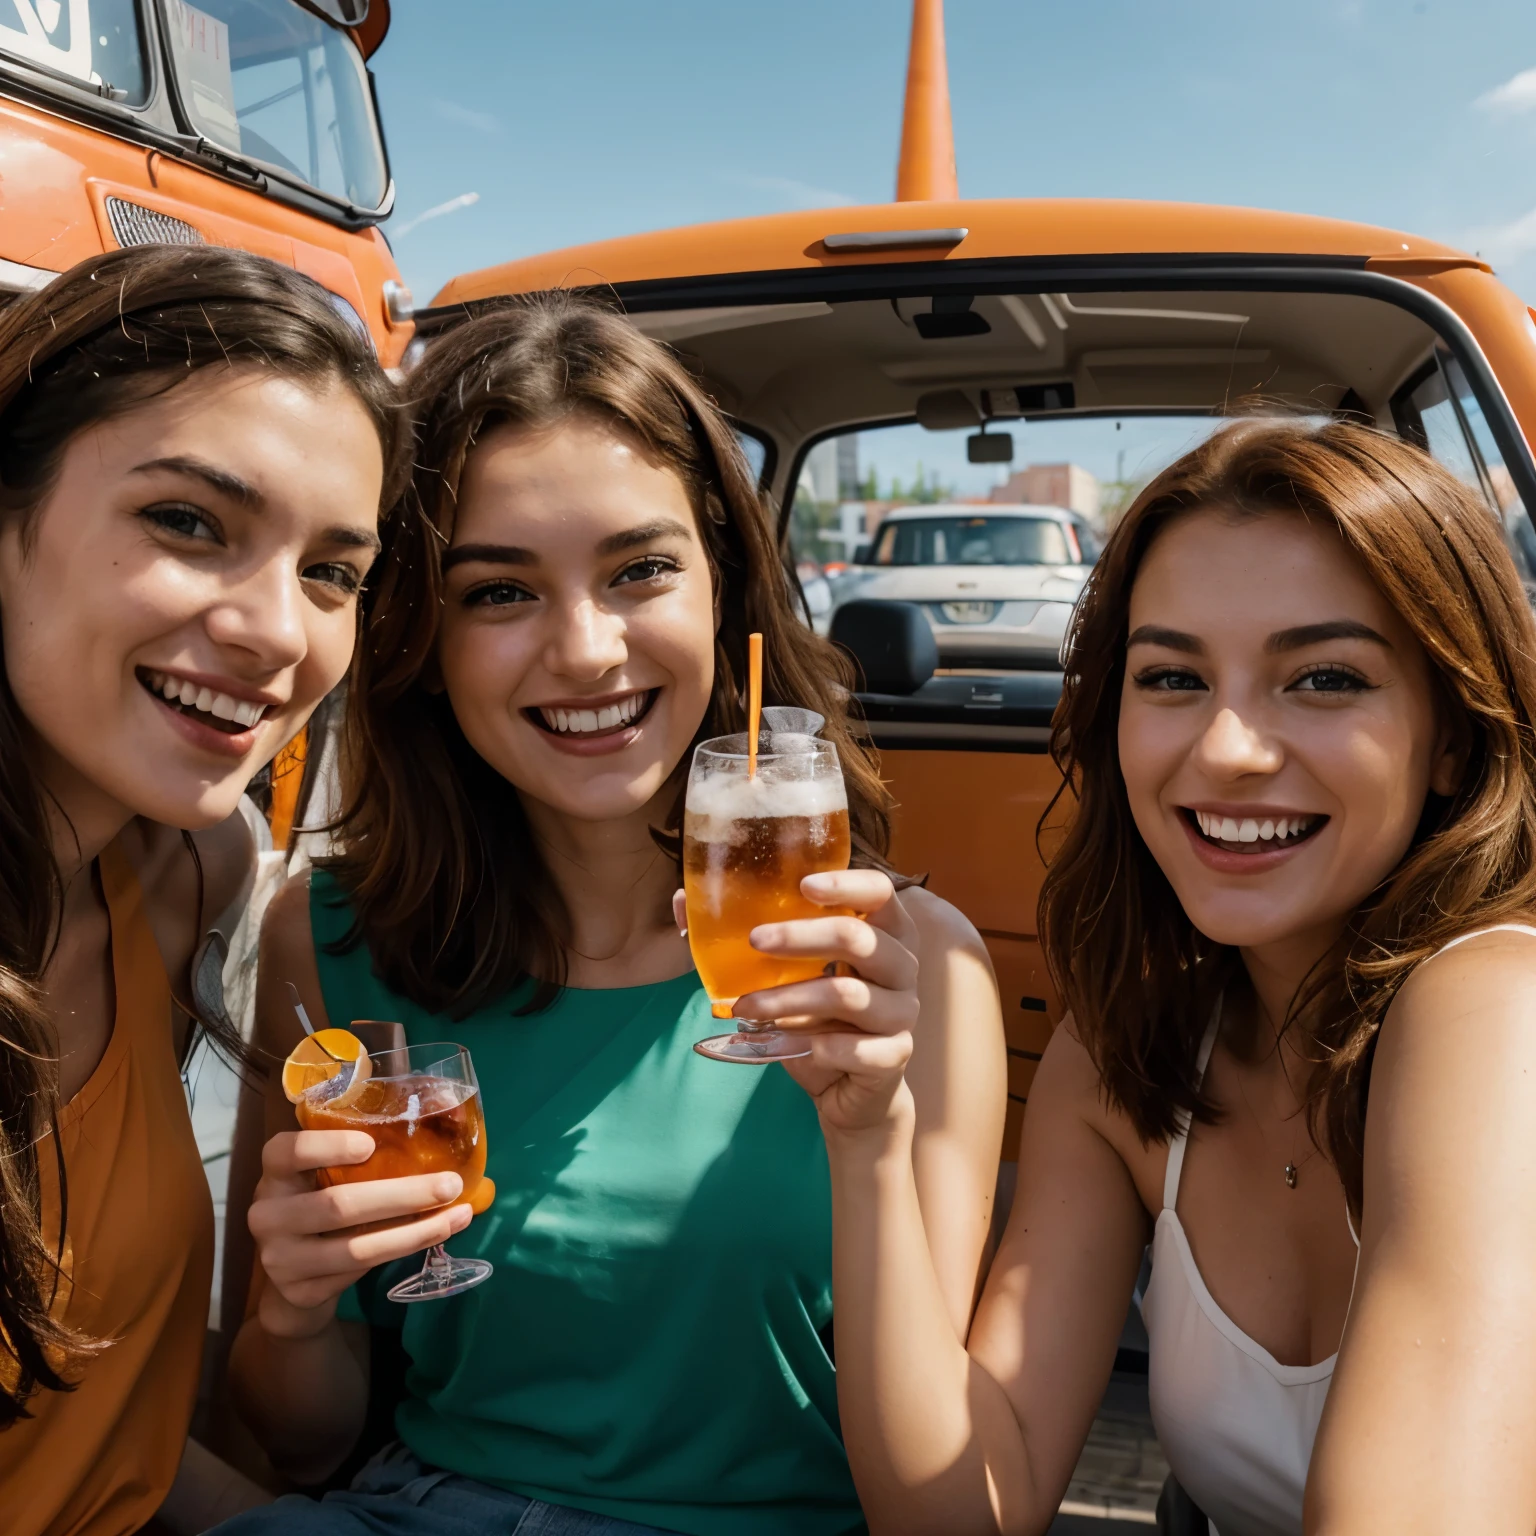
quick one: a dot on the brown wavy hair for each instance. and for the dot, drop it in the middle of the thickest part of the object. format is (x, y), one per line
(1138, 977)
(448, 889)
(107, 336)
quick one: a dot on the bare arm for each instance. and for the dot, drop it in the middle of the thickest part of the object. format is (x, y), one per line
(941, 1441)
(1432, 1412)
(298, 1375)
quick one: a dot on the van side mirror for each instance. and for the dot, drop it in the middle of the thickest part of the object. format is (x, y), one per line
(990, 448)
(863, 555)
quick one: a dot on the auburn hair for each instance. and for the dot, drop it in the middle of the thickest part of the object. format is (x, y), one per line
(105, 337)
(1139, 979)
(447, 886)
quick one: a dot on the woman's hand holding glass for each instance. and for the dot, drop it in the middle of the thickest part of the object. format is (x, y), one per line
(315, 1242)
(859, 1022)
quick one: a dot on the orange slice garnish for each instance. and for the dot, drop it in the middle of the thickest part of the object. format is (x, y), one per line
(321, 1057)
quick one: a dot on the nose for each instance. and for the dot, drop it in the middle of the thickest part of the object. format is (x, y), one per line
(586, 643)
(1233, 747)
(263, 616)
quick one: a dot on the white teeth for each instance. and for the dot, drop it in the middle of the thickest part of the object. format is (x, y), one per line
(1248, 832)
(187, 693)
(222, 707)
(1228, 830)
(171, 689)
(572, 721)
(204, 700)
(1266, 830)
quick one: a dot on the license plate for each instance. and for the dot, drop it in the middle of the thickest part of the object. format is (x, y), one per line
(969, 613)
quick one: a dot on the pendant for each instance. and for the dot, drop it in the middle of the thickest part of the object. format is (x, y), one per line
(1290, 1175)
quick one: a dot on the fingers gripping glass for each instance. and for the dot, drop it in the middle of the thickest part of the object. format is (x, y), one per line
(421, 1105)
(747, 844)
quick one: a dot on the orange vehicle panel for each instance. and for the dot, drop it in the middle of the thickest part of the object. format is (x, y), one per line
(55, 176)
(975, 835)
(999, 228)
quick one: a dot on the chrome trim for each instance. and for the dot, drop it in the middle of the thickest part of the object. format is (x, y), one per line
(134, 224)
(893, 239)
(399, 302)
(17, 278)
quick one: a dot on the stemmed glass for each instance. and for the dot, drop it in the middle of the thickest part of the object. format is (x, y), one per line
(421, 1104)
(748, 841)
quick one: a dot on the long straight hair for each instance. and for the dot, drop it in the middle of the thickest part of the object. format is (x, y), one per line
(105, 337)
(448, 888)
(1139, 978)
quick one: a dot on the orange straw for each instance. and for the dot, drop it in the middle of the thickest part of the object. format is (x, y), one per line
(754, 699)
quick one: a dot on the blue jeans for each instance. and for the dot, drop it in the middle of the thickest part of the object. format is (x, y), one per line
(395, 1495)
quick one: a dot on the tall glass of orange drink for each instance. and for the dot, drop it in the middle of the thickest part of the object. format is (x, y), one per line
(748, 841)
(421, 1105)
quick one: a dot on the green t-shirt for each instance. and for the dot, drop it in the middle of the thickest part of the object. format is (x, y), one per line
(648, 1347)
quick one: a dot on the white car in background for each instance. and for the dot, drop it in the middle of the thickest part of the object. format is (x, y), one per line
(996, 582)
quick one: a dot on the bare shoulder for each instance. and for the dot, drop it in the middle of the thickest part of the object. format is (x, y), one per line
(1469, 1008)
(942, 928)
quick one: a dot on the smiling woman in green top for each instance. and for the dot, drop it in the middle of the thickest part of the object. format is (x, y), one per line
(561, 618)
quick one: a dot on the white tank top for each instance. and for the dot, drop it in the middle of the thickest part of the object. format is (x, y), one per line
(1236, 1426)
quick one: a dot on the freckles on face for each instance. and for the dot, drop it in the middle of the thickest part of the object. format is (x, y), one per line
(578, 629)
(187, 591)
(1278, 731)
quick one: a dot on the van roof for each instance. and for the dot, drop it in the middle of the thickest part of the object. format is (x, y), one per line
(993, 229)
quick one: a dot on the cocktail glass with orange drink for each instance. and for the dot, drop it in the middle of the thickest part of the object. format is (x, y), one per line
(749, 838)
(421, 1105)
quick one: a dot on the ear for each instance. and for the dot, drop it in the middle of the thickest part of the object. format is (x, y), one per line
(1453, 746)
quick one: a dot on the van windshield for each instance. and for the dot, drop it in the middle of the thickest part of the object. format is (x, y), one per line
(973, 541)
(97, 42)
(274, 83)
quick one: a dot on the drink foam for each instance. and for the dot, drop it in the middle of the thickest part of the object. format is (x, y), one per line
(718, 801)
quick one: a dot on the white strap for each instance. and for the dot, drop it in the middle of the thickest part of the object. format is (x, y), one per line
(1181, 1139)
(1477, 933)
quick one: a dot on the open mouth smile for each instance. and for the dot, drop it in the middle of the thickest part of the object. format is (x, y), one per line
(206, 706)
(1252, 835)
(577, 723)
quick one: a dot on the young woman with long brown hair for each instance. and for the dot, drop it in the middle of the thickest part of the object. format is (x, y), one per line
(192, 445)
(1292, 918)
(561, 618)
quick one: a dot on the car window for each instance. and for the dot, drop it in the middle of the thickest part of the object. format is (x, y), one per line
(97, 42)
(271, 81)
(974, 541)
(1440, 412)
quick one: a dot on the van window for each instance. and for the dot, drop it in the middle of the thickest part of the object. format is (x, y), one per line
(97, 42)
(1440, 412)
(973, 541)
(273, 83)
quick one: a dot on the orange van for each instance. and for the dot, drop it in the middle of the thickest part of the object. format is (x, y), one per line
(247, 123)
(932, 320)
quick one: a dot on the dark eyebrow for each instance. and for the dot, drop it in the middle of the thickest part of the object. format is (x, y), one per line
(488, 554)
(352, 538)
(1315, 634)
(662, 528)
(221, 480)
(1174, 639)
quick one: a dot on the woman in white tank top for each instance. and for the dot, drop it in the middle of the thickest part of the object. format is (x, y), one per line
(1299, 879)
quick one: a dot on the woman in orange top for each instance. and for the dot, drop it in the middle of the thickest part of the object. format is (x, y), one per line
(193, 448)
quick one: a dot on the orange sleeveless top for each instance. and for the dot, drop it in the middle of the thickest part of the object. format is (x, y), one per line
(99, 1461)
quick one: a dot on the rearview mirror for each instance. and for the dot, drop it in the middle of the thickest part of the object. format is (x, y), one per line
(861, 556)
(990, 448)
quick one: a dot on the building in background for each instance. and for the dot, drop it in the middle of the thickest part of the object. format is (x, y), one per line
(1052, 485)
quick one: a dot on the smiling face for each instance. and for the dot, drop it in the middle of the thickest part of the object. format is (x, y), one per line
(1278, 732)
(578, 630)
(186, 593)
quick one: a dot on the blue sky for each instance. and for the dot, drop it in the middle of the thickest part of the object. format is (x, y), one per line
(555, 123)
